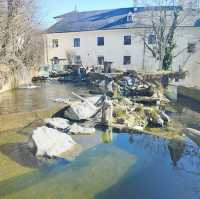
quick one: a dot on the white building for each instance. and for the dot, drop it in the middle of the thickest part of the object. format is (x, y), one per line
(117, 36)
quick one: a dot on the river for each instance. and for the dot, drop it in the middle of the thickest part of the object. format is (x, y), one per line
(119, 166)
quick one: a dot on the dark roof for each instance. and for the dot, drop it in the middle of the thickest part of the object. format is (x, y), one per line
(105, 19)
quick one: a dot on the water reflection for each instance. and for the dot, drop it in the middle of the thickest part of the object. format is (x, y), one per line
(164, 169)
(176, 149)
(107, 136)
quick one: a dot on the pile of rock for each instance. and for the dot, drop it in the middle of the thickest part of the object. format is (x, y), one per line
(133, 115)
(54, 138)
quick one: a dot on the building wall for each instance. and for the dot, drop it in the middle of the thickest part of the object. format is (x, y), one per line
(114, 49)
(188, 61)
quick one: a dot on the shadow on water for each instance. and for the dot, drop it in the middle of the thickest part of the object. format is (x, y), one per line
(20, 153)
(25, 181)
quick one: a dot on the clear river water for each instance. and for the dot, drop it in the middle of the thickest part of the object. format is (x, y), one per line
(136, 166)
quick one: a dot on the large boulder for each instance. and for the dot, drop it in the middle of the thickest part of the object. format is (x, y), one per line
(80, 111)
(76, 129)
(58, 123)
(50, 142)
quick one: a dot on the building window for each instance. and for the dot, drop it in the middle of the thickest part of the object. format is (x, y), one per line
(55, 43)
(127, 60)
(77, 42)
(77, 59)
(191, 47)
(100, 41)
(127, 40)
(100, 60)
(152, 39)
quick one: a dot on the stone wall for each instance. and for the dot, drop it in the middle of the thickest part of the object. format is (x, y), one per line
(10, 80)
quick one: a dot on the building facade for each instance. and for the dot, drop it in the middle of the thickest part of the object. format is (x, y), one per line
(117, 35)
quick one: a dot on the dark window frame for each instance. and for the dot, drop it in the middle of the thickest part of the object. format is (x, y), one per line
(55, 43)
(127, 40)
(77, 59)
(77, 42)
(100, 41)
(55, 61)
(127, 60)
(100, 60)
(191, 47)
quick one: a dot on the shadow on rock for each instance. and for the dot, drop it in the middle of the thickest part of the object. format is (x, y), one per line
(60, 113)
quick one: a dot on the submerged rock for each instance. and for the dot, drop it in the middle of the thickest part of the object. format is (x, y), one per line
(76, 129)
(58, 123)
(50, 142)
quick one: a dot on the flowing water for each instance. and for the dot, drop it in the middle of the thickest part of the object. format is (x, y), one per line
(24, 99)
(118, 166)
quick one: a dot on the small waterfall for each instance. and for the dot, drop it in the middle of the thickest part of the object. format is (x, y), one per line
(25, 75)
(26, 79)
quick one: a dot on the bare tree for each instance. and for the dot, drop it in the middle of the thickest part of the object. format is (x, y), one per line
(21, 44)
(164, 23)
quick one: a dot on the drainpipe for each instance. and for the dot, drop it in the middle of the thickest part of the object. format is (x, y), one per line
(144, 53)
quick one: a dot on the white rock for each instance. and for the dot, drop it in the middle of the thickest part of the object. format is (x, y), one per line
(62, 100)
(139, 128)
(79, 130)
(80, 111)
(58, 123)
(51, 142)
(165, 117)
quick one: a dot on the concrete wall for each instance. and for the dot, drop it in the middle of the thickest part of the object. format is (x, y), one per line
(114, 49)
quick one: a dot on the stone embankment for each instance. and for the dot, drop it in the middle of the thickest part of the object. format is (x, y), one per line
(10, 80)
